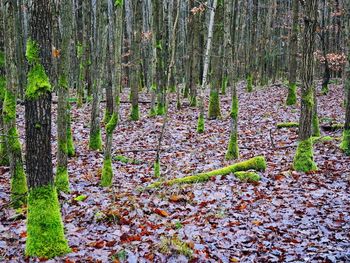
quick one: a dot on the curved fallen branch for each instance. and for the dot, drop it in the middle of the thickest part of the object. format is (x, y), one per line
(257, 163)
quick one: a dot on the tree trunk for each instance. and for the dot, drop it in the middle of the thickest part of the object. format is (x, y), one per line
(115, 25)
(200, 126)
(293, 54)
(303, 160)
(44, 225)
(62, 181)
(18, 179)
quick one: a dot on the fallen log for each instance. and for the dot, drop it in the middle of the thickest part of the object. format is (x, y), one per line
(257, 163)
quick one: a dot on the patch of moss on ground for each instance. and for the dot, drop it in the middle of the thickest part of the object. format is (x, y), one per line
(287, 125)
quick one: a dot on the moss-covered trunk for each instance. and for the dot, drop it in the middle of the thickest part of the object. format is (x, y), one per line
(115, 14)
(99, 56)
(293, 53)
(61, 180)
(303, 159)
(18, 179)
(45, 233)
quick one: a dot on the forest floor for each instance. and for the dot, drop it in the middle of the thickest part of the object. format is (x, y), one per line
(287, 217)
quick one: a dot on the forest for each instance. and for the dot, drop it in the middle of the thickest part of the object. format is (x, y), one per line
(174, 131)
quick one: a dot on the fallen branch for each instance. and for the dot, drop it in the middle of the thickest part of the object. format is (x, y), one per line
(257, 163)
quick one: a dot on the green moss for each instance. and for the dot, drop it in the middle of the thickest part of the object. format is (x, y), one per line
(45, 235)
(107, 173)
(13, 142)
(153, 112)
(4, 160)
(126, 160)
(257, 163)
(2, 59)
(80, 198)
(193, 101)
(156, 168)
(18, 186)
(135, 113)
(287, 125)
(324, 89)
(247, 176)
(304, 158)
(107, 116)
(250, 82)
(32, 52)
(2, 87)
(95, 142)
(174, 245)
(292, 94)
(38, 82)
(224, 85)
(62, 180)
(80, 50)
(308, 98)
(232, 149)
(160, 109)
(9, 107)
(315, 126)
(345, 144)
(200, 124)
(112, 123)
(214, 105)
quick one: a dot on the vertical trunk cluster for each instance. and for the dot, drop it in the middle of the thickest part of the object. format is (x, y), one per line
(115, 26)
(18, 178)
(293, 54)
(230, 40)
(304, 160)
(62, 181)
(44, 225)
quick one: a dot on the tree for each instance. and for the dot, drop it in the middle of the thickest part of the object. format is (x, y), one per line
(115, 18)
(303, 160)
(3, 148)
(18, 179)
(345, 145)
(200, 125)
(45, 235)
(230, 39)
(293, 54)
(62, 182)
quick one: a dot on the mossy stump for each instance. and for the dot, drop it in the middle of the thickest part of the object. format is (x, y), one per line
(45, 234)
(304, 157)
(157, 169)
